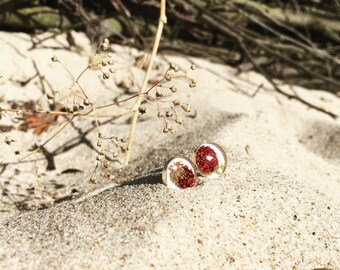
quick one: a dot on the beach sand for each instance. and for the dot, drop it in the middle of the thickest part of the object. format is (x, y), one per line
(276, 207)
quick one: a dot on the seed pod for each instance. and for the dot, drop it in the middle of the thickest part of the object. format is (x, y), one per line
(161, 114)
(168, 77)
(70, 109)
(124, 149)
(54, 58)
(100, 157)
(185, 107)
(173, 89)
(193, 83)
(8, 140)
(169, 114)
(179, 121)
(106, 164)
(106, 75)
(93, 180)
(105, 44)
(63, 108)
(159, 94)
(50, 96)
(142, 109)
(19, 113)
(76, 107)
(176, 102)
(174, 67)
(169, 126)
(86, 102)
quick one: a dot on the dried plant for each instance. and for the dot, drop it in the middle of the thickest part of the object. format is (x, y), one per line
(74, 102)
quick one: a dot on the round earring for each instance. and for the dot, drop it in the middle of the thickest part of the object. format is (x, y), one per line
(179, 173)
(210, 159)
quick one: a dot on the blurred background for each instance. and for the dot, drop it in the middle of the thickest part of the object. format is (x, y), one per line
(297, 41)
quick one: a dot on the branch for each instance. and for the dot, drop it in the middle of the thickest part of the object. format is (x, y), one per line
(279, 90)
(162, 21)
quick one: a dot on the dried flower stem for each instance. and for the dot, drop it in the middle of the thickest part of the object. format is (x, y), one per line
(75, 80)
(82, 114)
(161, 22)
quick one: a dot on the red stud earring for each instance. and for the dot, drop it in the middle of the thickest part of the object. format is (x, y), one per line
(210, 159)
(179, 173)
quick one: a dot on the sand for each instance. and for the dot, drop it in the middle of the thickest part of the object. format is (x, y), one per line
(276, 207)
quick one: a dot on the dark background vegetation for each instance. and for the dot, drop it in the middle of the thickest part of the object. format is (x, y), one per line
(297, 41)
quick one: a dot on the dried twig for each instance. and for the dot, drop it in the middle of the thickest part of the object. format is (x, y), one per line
(162, 21)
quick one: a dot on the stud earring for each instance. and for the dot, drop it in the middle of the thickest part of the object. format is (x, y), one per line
(179, 173)
(210, 160)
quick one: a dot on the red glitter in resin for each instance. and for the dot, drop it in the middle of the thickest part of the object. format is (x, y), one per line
(182, 176)
(206, 159)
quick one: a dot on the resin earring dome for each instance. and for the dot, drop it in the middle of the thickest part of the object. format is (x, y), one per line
(179, 173)
(210, 159)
